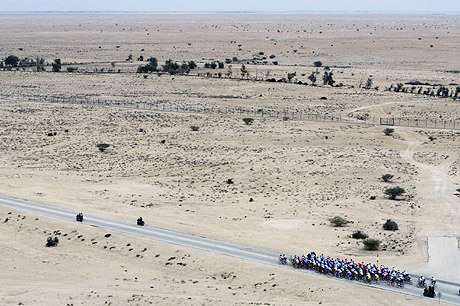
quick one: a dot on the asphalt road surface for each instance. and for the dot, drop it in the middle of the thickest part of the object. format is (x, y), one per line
(449, 290)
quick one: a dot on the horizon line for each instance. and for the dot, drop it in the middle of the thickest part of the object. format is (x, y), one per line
(242, 12)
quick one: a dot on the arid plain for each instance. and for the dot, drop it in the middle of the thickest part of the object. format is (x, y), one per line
(272, 184)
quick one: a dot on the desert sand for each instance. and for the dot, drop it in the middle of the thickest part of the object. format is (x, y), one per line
(289, 177)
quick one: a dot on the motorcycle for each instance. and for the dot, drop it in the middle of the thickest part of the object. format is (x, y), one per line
(140, 222)
(79, 217)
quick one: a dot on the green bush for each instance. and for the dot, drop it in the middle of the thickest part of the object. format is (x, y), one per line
(102, 146)
(12, 61)
(394, 192)
(338, 221)
(318, 64)
(371, 244)
(387, 177)
(52, 242)
(359, 235)
(388, 131)
(57, 65)
(390, 225)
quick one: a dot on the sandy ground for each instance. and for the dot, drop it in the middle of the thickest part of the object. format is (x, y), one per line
(289, 177)
(94, 267)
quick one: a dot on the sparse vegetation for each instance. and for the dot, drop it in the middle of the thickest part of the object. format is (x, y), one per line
(371, 244)
(52, 242)
(338, 221)
(328, 78)
(359, 235)
(244, 71)
(248, 121)
(291, 76)
(318, 64)
(313, 78)
(388, 131)
(387, 177)
(369, 83)
(12, 61)
(390, 225)
(102, 146)
(152, 66)
(57, 65)
(394, 192)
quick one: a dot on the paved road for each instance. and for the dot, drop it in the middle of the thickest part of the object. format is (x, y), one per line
(449, 290)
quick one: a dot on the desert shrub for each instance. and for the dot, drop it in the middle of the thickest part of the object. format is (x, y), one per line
(285, 118)
(143, 69)
(72, 69)
(328, 78)
(248, 121)
(52, 242)
(371, 244)
(153, 62)
(173, 67)
(359, 235)
(318, 64)
(195, 128)
(192, 65)
(40, 64)
(338, 221)
(211, 65)
(369, 83)
(394, 192)
(150, 67)
(102, 146)
(387, 177)
(184, 68)
(221, 65)
(291, 75)
(230, 181)
(390, 225)
(244, 71)
(313, 78)
(57, 65)
(12, 61)
(388, 131)
(431, 138)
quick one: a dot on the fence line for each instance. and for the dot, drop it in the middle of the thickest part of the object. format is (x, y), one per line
(285, 114)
